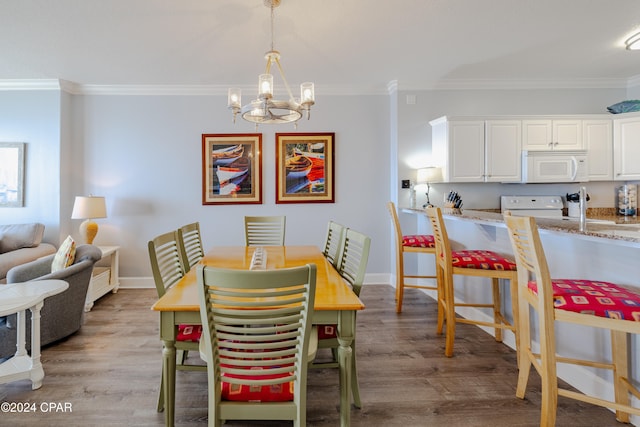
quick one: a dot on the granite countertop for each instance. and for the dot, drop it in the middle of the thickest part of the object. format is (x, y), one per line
(601, 224)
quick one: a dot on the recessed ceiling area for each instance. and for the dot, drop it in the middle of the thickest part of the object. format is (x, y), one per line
(351, 45)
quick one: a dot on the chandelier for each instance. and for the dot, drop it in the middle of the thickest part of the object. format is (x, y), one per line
(265, 109)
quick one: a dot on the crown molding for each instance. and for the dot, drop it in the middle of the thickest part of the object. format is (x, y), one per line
(391, 87)
(514, 84)
(633, 81)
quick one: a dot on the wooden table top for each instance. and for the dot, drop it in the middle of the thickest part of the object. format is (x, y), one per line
(332, 291)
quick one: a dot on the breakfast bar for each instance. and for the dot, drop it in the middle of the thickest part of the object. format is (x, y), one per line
(608, 249)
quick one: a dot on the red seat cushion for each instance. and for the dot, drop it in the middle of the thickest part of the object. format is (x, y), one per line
(419, 241)
(601, 299)
(189, 333)
(481, 260)
(256, 393)
(327, 332)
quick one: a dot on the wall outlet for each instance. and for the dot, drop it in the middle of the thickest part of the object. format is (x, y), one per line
(406, 183)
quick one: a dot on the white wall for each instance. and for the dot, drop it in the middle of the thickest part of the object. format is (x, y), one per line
(143, 153)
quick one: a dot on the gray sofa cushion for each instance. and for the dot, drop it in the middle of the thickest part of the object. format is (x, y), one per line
(18, 236)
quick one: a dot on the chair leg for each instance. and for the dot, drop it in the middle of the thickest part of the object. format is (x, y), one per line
(355, 389)
(515, 308)
(620, 372)
(399, 292)
(181, 356)
(524, 332)
(160, 407)
(497, 307)
(450, 315)
(549, 403)
(440, 300)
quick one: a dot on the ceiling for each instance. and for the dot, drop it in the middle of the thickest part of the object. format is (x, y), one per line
(341, 45)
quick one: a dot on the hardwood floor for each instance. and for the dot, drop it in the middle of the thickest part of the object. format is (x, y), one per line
(109, 374)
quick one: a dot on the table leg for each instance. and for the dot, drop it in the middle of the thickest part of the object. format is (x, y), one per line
(37, 372)
(346, 326)
(21, 332)
(169, 376)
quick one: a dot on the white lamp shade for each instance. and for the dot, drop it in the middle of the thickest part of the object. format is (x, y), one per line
(86, 207)
(429, 174)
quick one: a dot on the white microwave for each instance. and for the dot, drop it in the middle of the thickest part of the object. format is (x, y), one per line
(554, 166)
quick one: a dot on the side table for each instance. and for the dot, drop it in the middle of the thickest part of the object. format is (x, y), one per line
(17, 298)
(105, 277)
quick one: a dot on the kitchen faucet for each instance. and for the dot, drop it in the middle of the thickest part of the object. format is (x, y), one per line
(583, 208)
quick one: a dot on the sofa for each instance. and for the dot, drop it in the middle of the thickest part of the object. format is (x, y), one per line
(62, 314)
(21, 243)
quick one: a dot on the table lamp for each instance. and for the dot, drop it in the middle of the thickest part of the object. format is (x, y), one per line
(426, 176)
(89, 208)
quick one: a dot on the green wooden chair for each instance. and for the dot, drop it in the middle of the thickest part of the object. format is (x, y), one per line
(264, 230)
(352, 265)
(333, 240)
(257, 353)
(168, 268)
(190, 242)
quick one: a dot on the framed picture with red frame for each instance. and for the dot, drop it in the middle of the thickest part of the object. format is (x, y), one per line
(305, 170)
(231, 169)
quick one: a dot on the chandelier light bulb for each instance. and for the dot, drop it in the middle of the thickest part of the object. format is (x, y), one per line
(307, 93)
(265, 86)
(234, 99)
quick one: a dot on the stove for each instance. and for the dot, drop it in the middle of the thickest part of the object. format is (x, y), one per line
(538, 206)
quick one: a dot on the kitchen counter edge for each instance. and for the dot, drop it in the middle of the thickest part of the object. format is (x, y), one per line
(626, 235)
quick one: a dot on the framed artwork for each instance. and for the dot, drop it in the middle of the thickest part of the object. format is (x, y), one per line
(231, 169)
(12, 174)
(305, 167)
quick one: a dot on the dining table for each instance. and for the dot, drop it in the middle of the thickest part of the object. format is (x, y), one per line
(335, 303)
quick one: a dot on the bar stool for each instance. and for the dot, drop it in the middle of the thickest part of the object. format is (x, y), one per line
(482, 263)
(592, 303)
(418, 243)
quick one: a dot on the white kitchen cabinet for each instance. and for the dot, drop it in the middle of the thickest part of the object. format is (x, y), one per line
(477, 150)
(457, 147)
(626, 149)
(547, 134)
(503, 150)
(598, 141)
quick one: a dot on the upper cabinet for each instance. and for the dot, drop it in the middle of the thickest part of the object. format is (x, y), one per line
(598, 141)
(477, 150)
(458, 147)
(503, 148)
(626, 149)
(551, 134)
(490, 149)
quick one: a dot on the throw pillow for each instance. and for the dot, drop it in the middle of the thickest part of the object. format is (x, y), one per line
(65, 255)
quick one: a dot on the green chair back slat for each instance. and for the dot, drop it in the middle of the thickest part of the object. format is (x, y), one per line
(190, 242)
(264, 230)
(166, 261)
(333, 241)
(353, 258)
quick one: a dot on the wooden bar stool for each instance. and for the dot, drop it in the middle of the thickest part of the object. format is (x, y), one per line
(419, 243)
(583, 302)
(481, 263)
